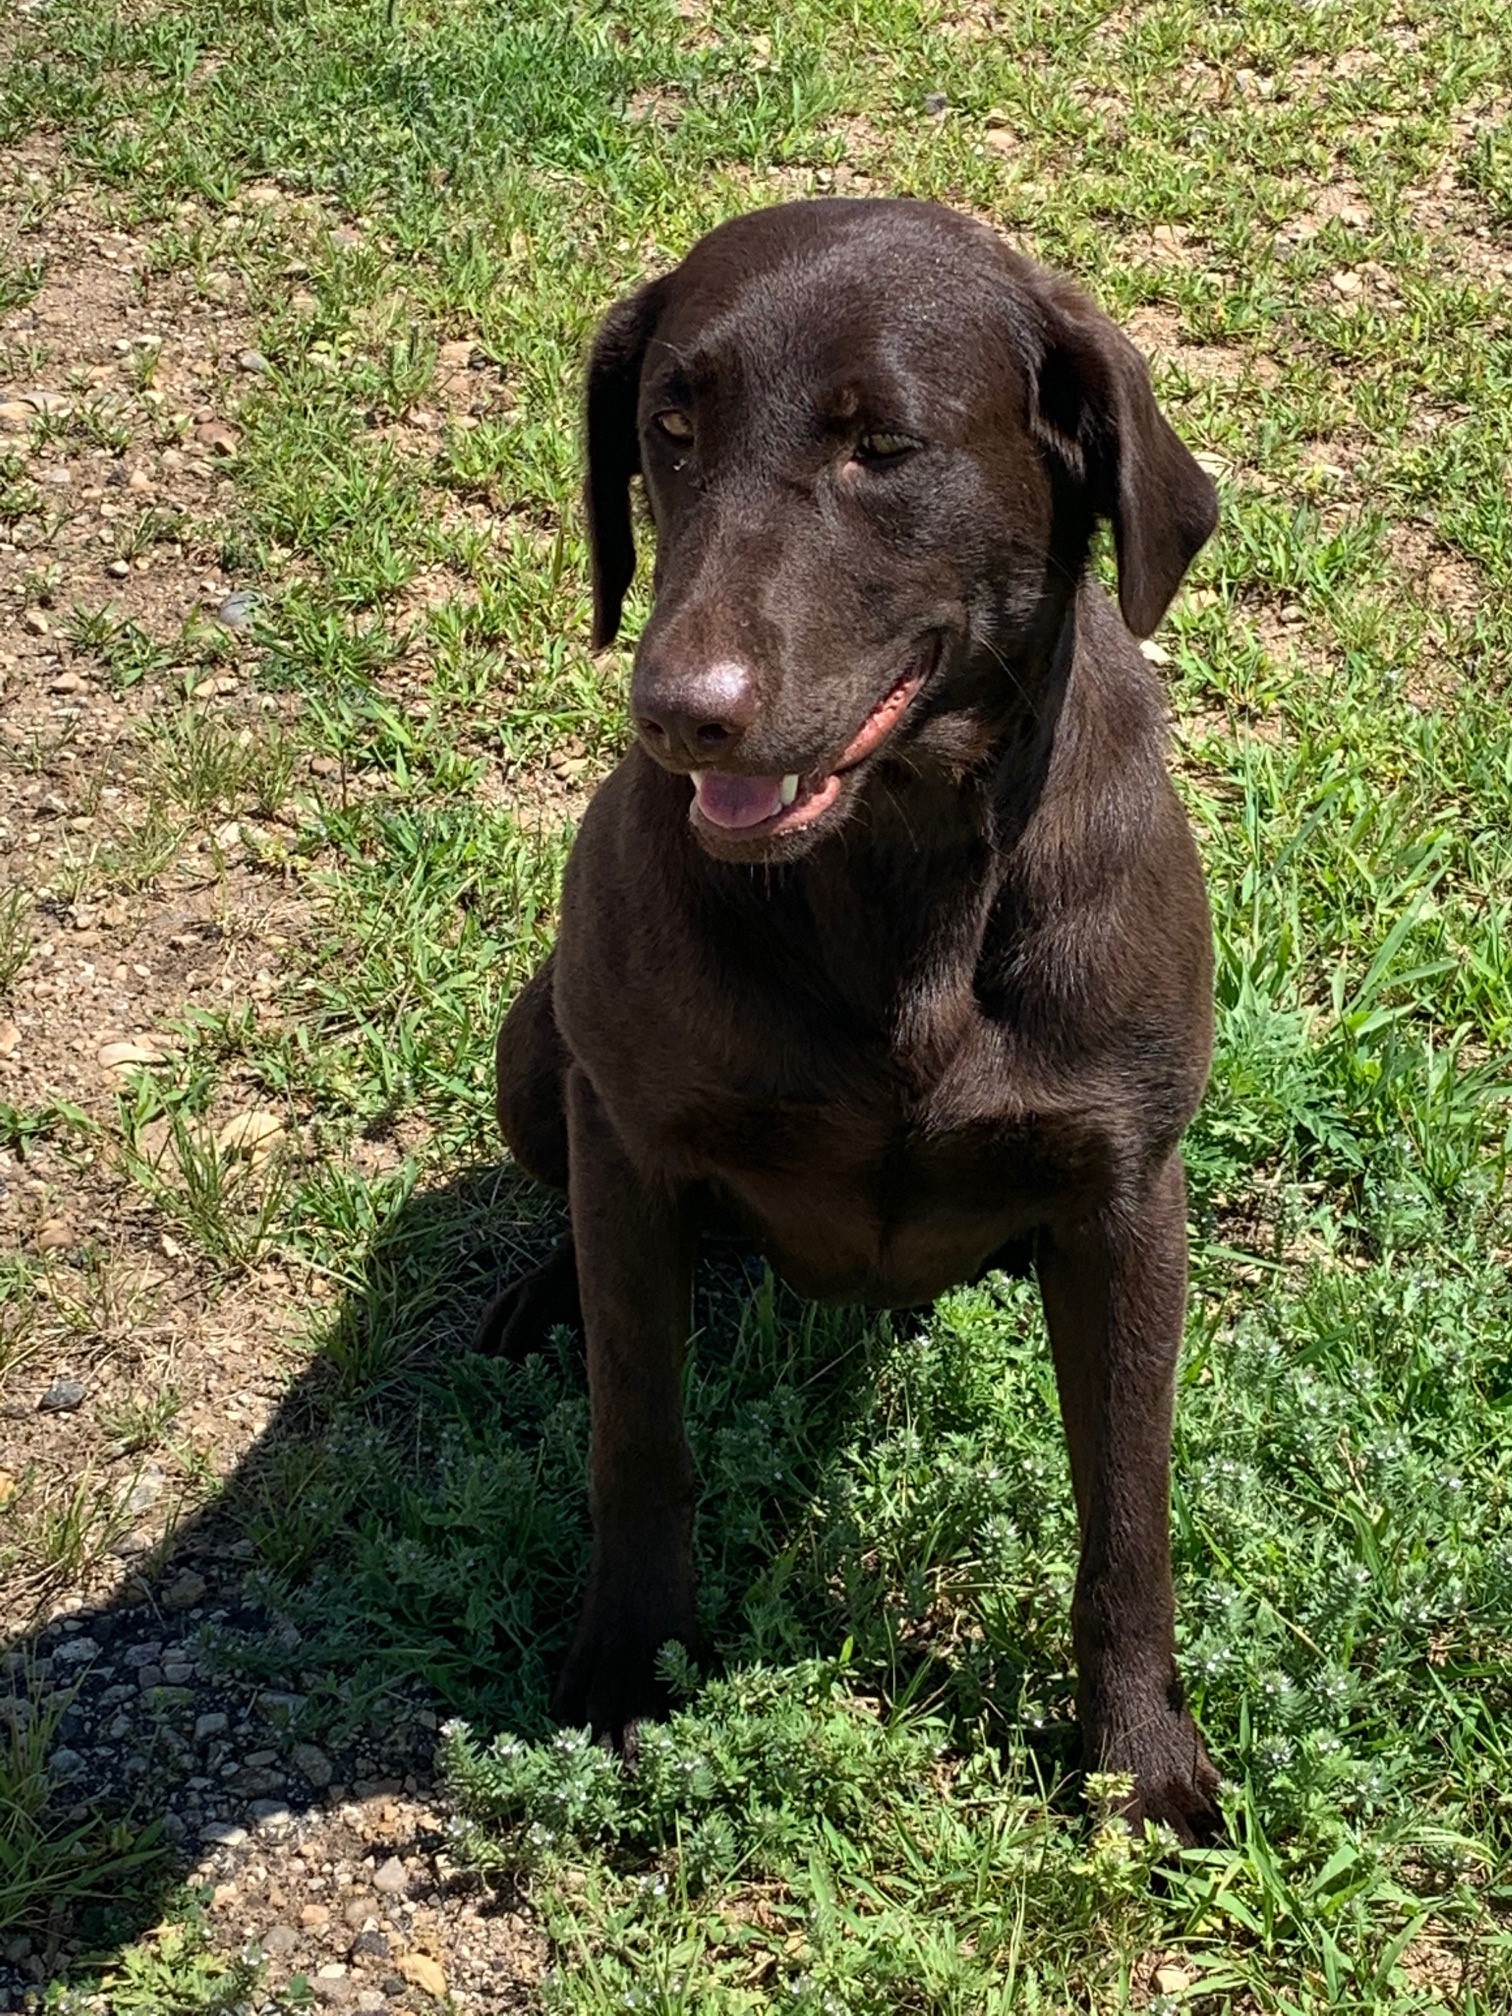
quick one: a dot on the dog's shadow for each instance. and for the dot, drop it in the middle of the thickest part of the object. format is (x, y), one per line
(407, 1541)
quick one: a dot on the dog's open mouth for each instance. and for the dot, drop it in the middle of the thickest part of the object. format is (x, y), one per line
(751, 808)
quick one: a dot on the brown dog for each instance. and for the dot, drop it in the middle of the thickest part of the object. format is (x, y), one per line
(886, 945)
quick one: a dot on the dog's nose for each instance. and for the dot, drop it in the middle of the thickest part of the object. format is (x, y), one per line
(697, 713)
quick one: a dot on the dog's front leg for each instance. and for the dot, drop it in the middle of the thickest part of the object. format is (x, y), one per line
(635, 1253)
(1114, 1289)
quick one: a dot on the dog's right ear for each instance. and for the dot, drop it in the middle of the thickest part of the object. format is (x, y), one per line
(614, 372)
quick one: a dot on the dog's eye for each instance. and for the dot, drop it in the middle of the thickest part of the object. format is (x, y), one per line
(881, 447)
(675, 425)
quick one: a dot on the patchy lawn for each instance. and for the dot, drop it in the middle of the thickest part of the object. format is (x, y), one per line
(295, 712)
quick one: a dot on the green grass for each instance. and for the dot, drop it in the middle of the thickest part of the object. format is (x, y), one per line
(44, 1858)
(871, 1810)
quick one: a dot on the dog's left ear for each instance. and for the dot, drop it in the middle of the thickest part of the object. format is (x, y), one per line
(1092, 406)
(614, 373)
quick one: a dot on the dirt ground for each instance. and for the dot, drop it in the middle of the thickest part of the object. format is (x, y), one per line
(120, 390)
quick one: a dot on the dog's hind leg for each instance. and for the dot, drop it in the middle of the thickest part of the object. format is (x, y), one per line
(531, 1065)
(519, 1318)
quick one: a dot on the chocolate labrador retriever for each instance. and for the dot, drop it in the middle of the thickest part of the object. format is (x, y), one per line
(886, 946)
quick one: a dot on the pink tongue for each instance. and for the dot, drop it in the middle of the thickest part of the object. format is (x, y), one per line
(727, 800)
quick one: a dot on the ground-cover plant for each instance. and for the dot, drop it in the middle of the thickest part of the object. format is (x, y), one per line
(868, 1802)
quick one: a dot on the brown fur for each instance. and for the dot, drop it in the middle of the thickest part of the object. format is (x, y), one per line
(965, 1015)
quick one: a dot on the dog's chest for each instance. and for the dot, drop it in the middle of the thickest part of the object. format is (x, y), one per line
(887, 1173)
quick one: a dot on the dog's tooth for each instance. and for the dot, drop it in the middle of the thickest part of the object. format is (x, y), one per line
(698, 777)
(789, 788)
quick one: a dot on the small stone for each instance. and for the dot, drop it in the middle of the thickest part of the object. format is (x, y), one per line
(10, 1039)
(1172, 1980)
(66, 682)
(145, 1492)
(54, 1234)
(145, 1654)
(455, 354)
(15, 413)
(129, 1051)
(370, 1946)
(424, 1972)
(149, 1679)
(324, 766)
(280, 1939)
(119, 568)
(62, 1397)
(313, 1916)
(74, 1651)
(237, 611)
(222, 1834)
(256, 1784)
(936, 104)
(1155, 654)
(34, 623)
(1346, 283)
(218, 438)
(185, 1591)
(65, 1764)
(280, 1708)
(269, 1814)
(213, 1724)
(255, 362)
(371, 2001)
(392, 1879)
(177, 1672)
(249, 1136)
(311, 1764)
(139, 480)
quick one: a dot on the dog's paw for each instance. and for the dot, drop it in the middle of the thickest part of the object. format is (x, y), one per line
(1175, 1783)
(1183, 1797)
(519, 1320)
(611, 1683)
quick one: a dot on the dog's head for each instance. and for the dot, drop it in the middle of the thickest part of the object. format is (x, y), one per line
(875, 443)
